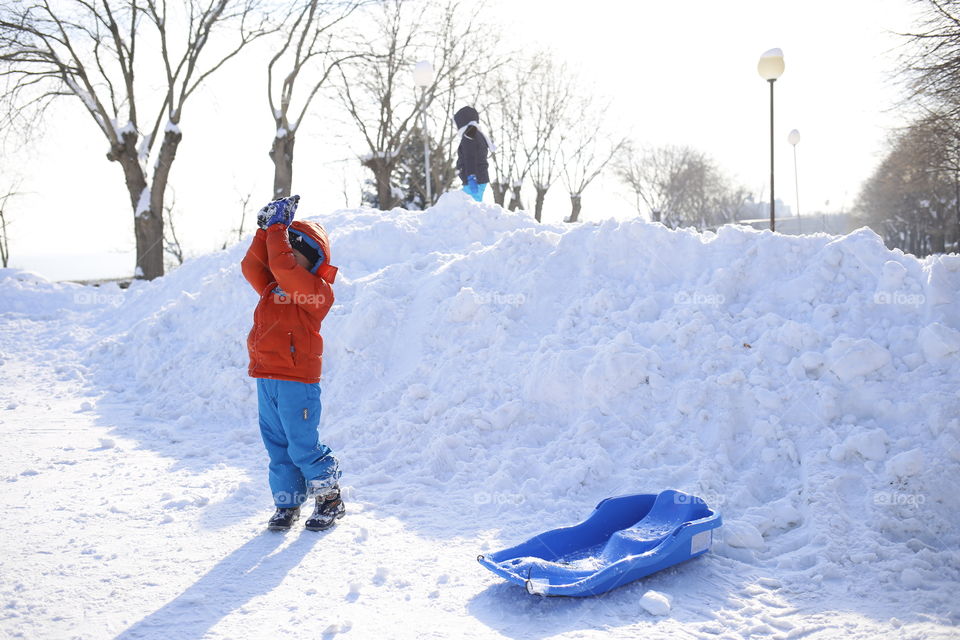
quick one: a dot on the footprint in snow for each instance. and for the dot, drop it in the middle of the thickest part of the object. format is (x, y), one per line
(105, 443)
(380, 577)
(335, 628)
(354, 592)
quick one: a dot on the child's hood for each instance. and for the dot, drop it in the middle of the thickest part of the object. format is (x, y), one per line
(315, 231)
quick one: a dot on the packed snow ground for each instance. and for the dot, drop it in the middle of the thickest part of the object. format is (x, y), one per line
(487, 378)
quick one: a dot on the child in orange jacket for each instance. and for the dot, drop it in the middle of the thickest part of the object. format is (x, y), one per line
(288, 265)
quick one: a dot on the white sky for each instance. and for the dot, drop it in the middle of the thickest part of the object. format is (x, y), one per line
(677, 72)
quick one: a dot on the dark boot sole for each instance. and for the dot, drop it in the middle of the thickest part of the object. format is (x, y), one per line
(324, 528)
(280, 527)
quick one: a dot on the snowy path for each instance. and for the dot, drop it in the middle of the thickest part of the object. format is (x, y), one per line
(106, 538)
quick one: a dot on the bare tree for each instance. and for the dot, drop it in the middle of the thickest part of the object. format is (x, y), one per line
(912, 197)
(931, 60)
(4, 223)
(544, 133)
(377, 89)
(654, 178)
(729, 203)
(680, 186)
(480, 62)
(472, 47)
(244, 203)
(315, 43)
(372, 90)
(931, 72)
(503, 122)
(238, 231)
(510, 93)
(88, 50)
(586, 151)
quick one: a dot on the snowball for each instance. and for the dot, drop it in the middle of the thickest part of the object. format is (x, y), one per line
(656, 603)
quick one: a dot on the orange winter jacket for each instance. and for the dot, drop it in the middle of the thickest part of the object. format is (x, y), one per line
(285, 342)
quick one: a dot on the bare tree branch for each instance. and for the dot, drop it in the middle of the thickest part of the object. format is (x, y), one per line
(87, 49)
(317, 41)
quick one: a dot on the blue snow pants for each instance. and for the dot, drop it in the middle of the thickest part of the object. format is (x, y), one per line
(478, 194)
(289, 421)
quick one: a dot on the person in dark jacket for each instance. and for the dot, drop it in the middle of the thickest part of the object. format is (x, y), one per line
(472, 152)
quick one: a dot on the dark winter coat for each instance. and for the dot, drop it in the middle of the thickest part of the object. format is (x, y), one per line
(472, 158)
(473, 149)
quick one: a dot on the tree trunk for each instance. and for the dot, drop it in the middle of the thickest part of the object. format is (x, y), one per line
(656, 215)
(499, 192)
(382, 170)
(575, 212)
(153, 223)
(938, 239)
(541, 196)
(282, 155)
(4, 241)
(149, 247)
(515, 202)
(956, 204)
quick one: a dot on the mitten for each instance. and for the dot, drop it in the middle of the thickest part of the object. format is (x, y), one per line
(281, 211)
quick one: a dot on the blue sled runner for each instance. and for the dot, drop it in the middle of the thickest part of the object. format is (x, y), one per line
(625, 538)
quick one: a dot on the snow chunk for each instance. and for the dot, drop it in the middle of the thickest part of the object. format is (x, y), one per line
(464, 305)
(938, 342)
(911, 579)
(742, 534)
(172, 127)
(656, 603)
(893, 275)
(849, 358)
(906, 464)
(870, 445)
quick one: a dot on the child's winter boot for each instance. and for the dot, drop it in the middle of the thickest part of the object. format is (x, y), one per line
(283, 519)
(328, 510)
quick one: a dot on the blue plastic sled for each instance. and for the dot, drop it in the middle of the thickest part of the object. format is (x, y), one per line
(625, 538)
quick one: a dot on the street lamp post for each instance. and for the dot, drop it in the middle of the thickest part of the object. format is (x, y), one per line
(770, 68)
(794, 139)
(423, 78)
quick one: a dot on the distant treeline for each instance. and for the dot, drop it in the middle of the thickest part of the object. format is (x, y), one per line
(913, 197)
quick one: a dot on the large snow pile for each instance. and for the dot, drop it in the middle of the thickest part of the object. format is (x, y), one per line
(807, 387)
